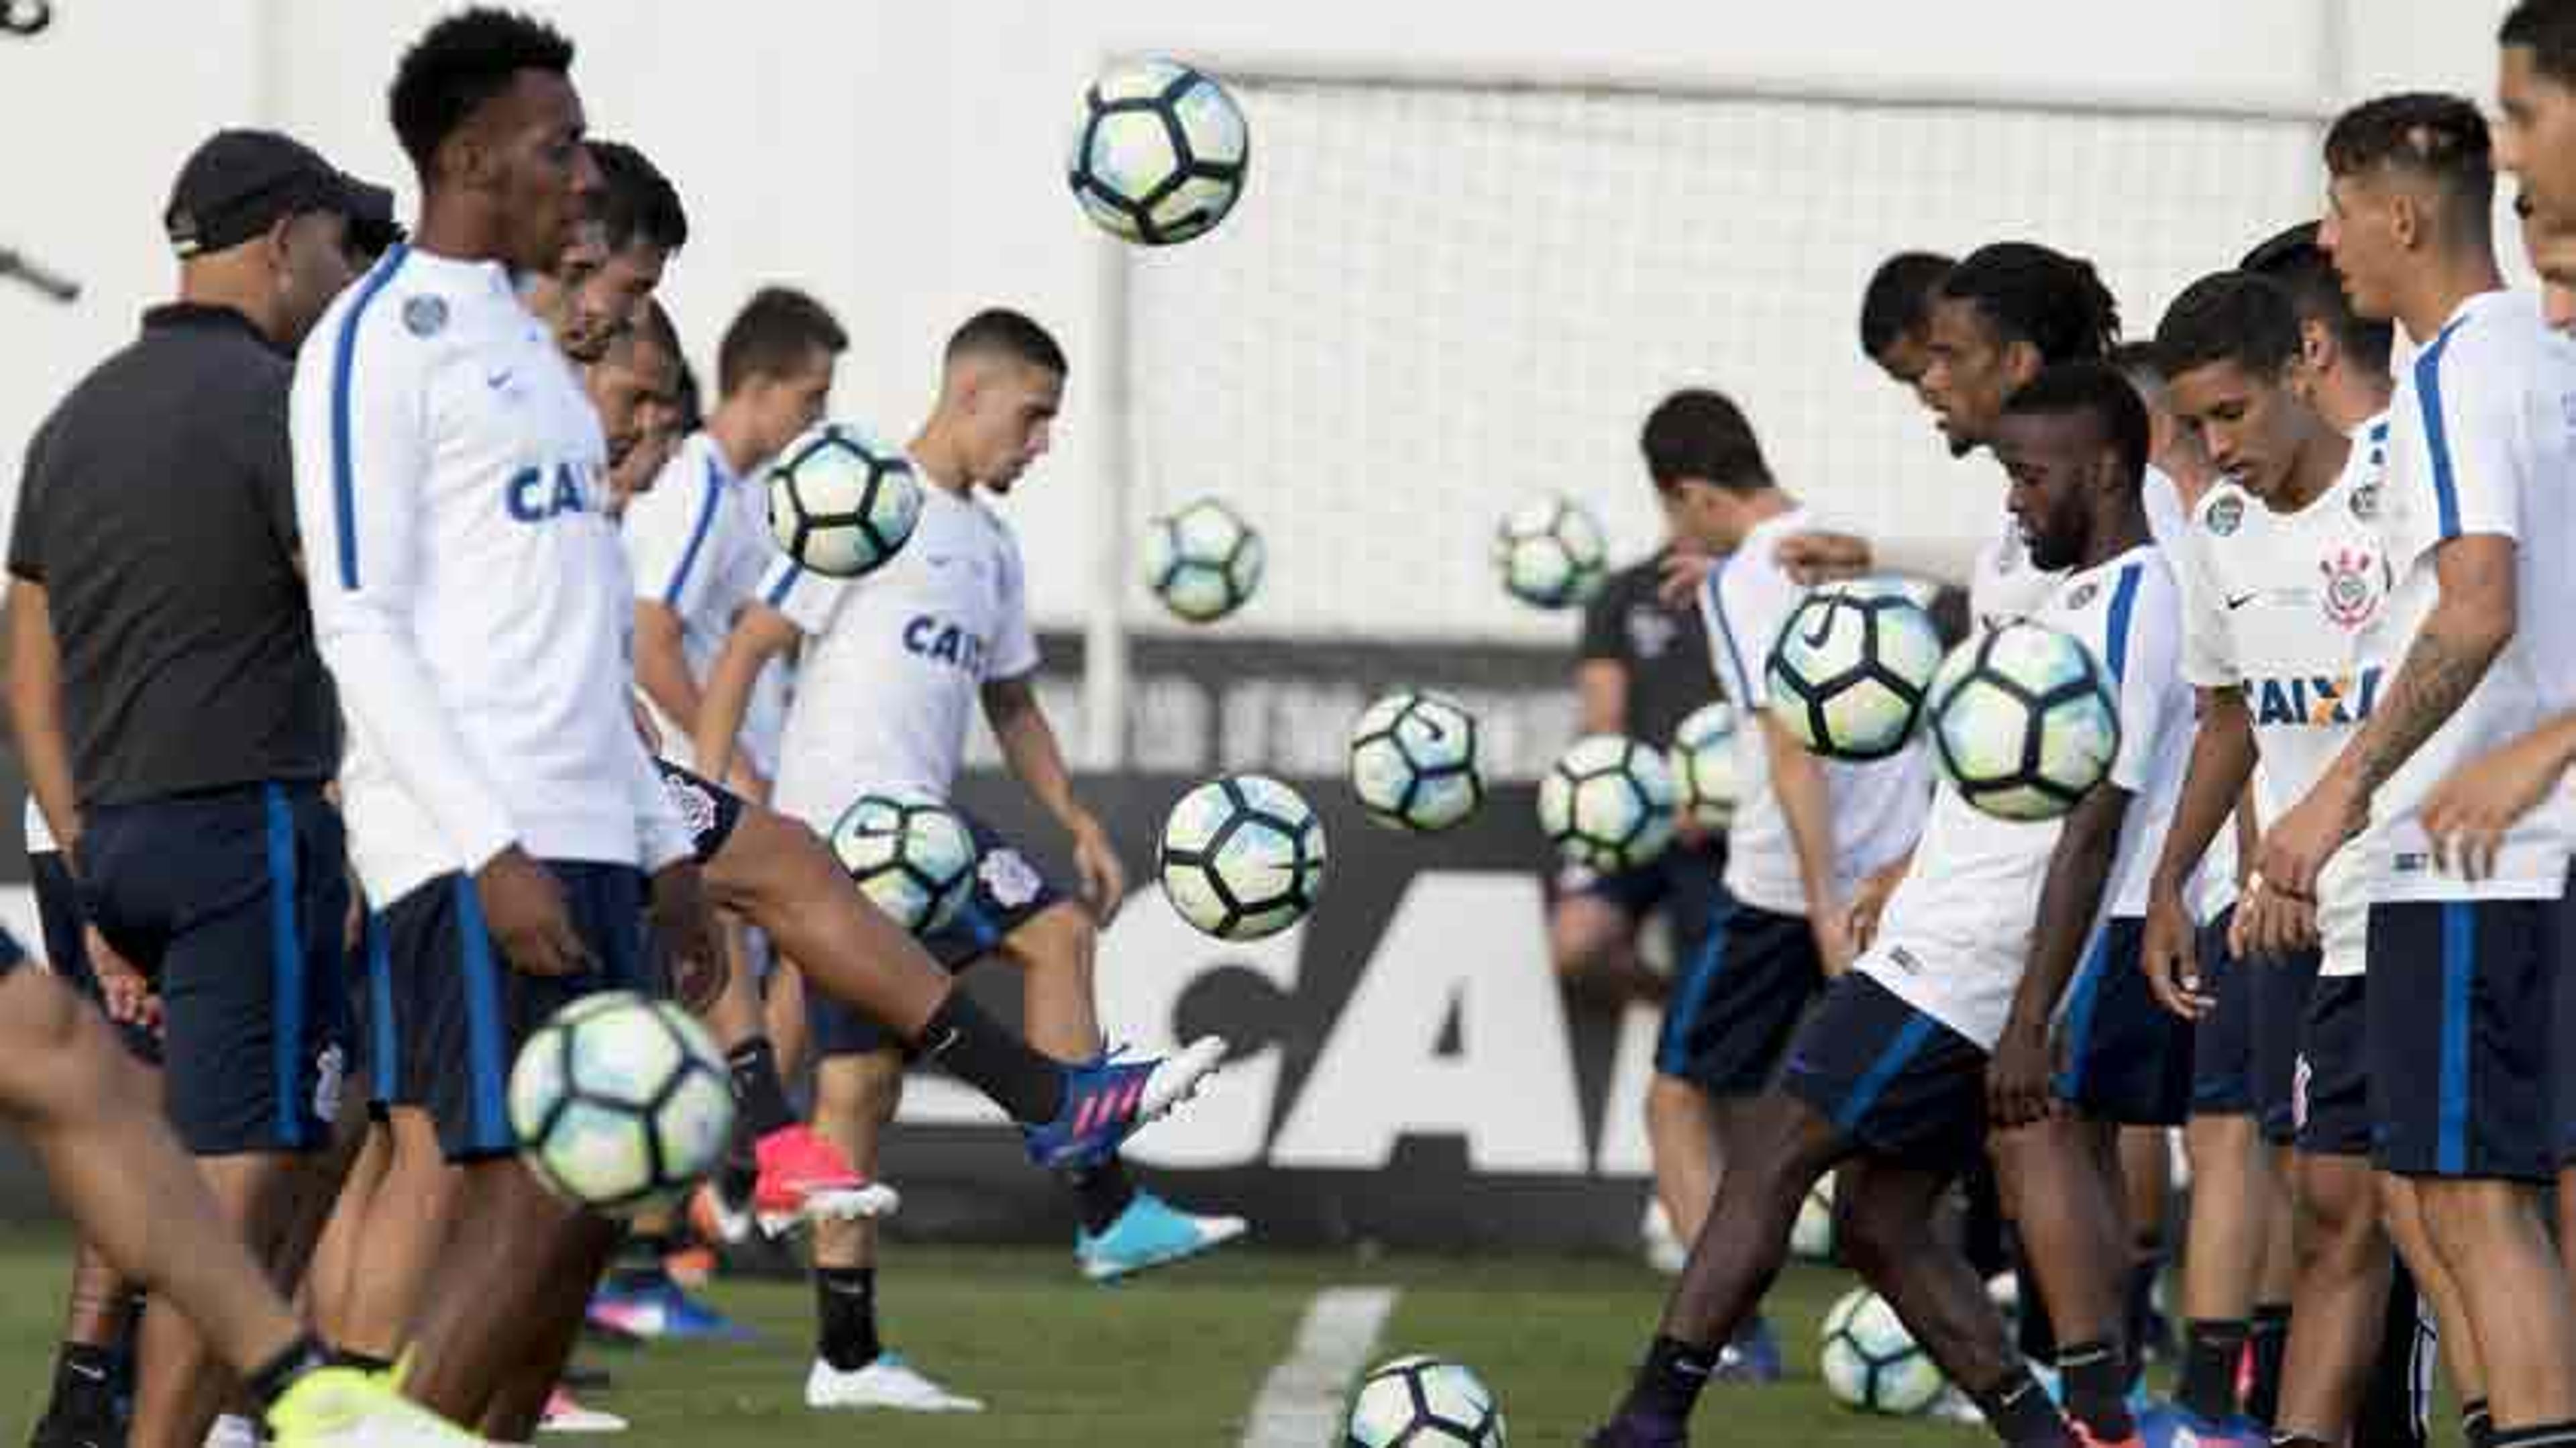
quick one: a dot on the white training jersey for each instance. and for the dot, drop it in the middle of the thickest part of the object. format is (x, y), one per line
(469, 593)
(1956, 935)
(1877, 809)
(2276, 606)
(40, 835)
(699, 543)
(2482, 441)
(895, 662)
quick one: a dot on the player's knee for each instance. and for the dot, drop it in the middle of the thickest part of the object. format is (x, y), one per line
(2464, 1218)
(1062, 937)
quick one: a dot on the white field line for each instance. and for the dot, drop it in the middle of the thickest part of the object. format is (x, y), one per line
(1300, 1405)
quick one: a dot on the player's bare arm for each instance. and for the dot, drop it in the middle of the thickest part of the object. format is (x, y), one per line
(1807, 805)
(1029, 748)
(2222, 763)
(1601, 696)
(662, 667)
(2017, 1082)
(36, 710)
(761, 634)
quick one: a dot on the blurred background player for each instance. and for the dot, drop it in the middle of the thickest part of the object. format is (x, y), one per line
(1896, 315)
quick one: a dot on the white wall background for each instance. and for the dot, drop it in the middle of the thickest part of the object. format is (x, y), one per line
(903, 160)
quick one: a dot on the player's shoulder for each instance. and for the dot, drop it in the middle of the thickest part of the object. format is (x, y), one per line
(396, 316)
(2496, 337)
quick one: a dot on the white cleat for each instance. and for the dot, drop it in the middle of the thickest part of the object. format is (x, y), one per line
(1179, 1077)
(233, 1431)
(566, 1414)
(888, 1382)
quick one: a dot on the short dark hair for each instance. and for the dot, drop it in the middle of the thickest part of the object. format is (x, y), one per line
(2230, 316)
(2099, 391)
(460, 63)
(2030, 293)
(2136, 359)
(2441, 138)
(772, 335)
(1698, 433)
(2300, 267)
(2548, 29)
(1897, 303)
(999, 330)
(653, 323)
(637, 203)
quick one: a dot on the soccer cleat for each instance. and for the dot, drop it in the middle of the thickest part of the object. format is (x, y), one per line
(716, 1217)
(346, 1408)
(2171, 1425)
(565, 1414)
(1752, 1356)
(67, 1430)
(1150, 1233)
(691, 1266)
(229, 1431)
(804, 1178)
(1630, 1431)
(1107, 1100)
(886, 1382)
(662, 1313)
(2084, 1437)
(1957, 1407)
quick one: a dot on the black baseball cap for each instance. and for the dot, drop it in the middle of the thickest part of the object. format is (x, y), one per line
(241, 182)
(2295, 243)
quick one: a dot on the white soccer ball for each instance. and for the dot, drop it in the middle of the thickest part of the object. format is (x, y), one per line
(1848, 673)
(620, 1104)
(1706, 780)
(1202, 560)
(1870, 1362)
(1424, 1402)
(1551, 553)
(2024, 720)
(1607, 803)
(842, 502)
(1811, 1238)
(1160, 154)
(911, 855)
(1243, 857)
(1413, 761)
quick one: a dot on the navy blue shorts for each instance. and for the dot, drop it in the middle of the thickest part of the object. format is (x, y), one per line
(234, 900)
(2282, 991)
(1011, 889)
(2222, 1042)
(710, 810)
(2126, 1059)
(2330, 1089)
(457, 1013)
(2459, 1022)
(12, 954)
(1903, 1085)
(67, 949)
(1738, 1000)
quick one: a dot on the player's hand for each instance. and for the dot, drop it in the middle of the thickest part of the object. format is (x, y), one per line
(2469, 813)
(2270, 925)
(1830, 923)
(1104, 880)
(1868, 902)
(523, 907)
(684, 927)
(2295, 849)
(1686, 570)
(2017, 1091)
(123, 989)
(2170, 957)
(1821, 557)
(1688, 832)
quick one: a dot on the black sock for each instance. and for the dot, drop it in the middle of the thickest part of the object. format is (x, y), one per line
(740, 1173)
(2148, 1266)
(2020, 1412)
(988, 1056)
(2538, 1435)
(2477, 1425)
(2269, 1333)
(342, 1357)
(2211, 1353)
(1668, 1386)
(845, 1314)
(1100, 1193)
(757, 1089)
(84, 1385)
(269, 1381)
(639, 1262)
(2094, 1376)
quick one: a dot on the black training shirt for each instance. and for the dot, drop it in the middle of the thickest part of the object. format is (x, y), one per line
(1665, 650)
(158, 511)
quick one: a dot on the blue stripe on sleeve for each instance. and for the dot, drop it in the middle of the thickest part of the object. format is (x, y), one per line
(785, 585)
(2437, 438)
(344, 478)
(707, 505)
(1743, 685)
(2124, 607)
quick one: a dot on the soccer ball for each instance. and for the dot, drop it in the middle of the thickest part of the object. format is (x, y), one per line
(2024, 721)
(1203, 561)
(911, 855)
(1424, 1402)
(1551, 553)
(620, 1103)
(1811, 1238)
(1243, 857)
(1871, 1362)
(1607, 803)
(1161, 152)
(1703, 762)
(841, 502)
(1848, 672)
(1413, 762)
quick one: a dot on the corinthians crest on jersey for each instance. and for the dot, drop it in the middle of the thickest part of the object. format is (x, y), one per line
(2357, 581)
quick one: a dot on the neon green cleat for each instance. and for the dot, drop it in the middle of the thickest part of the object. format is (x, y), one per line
(346, 1408)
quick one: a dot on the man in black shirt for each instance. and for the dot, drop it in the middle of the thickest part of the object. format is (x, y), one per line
(184, 767)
